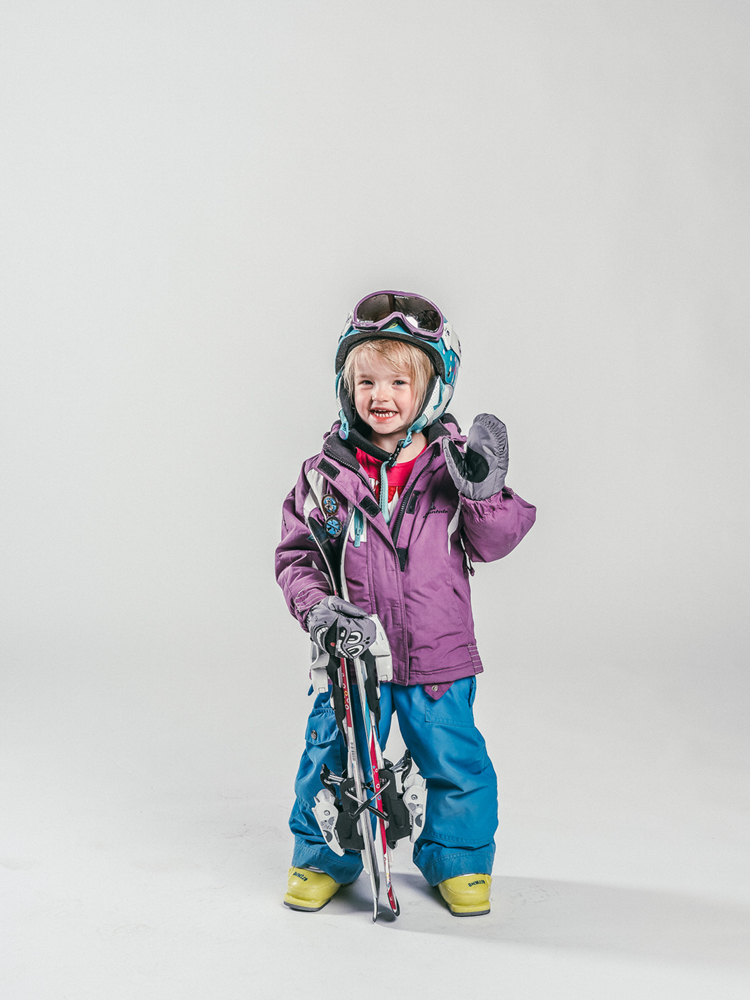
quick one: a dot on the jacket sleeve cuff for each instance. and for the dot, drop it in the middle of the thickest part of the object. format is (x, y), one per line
(481, 508)
(303, 603)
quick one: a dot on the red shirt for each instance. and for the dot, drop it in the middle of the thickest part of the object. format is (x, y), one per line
(398, 474)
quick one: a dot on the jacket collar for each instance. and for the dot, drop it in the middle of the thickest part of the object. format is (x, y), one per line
(345, 451)
(351, 480)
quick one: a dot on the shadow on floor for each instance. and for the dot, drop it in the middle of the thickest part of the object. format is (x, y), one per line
(632, 922)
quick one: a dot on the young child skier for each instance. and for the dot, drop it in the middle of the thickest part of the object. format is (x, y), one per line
(424, 503)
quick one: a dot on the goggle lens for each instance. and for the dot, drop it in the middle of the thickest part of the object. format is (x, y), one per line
(422, 316)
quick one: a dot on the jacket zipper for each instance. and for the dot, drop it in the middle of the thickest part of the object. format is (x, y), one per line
(405, 502)
(357, 468)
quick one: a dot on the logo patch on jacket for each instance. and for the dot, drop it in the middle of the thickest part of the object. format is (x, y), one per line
(435, 510)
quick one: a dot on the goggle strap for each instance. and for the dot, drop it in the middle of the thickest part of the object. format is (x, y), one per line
(380, 326)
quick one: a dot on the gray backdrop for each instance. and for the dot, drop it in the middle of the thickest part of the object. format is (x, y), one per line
(194, 195)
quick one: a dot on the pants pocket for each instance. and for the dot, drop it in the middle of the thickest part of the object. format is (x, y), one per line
(323, 745)
(455, 706)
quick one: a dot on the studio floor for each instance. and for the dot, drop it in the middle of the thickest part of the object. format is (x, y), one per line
(182, 900)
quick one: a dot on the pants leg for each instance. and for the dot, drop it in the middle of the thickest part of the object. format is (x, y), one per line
(324, 744)
(450, 752)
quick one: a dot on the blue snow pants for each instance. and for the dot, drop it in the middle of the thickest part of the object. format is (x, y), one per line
(448, 749)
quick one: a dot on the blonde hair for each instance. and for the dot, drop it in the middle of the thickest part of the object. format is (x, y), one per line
(398, 355)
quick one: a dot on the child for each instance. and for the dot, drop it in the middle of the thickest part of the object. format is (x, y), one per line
(424, 509)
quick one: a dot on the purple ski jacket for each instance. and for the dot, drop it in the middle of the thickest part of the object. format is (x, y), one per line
(414, 572)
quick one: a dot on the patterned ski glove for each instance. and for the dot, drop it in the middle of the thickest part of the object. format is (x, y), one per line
(480, 471)
(340, 628)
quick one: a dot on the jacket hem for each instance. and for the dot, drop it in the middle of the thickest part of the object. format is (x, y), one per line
(438, 676)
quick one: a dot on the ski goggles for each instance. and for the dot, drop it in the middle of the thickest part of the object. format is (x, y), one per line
(420, 316)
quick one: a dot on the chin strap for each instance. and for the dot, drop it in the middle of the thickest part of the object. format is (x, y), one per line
(344, 428)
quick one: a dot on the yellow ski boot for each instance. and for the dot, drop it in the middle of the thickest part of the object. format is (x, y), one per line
(309, 890)
(467, 895)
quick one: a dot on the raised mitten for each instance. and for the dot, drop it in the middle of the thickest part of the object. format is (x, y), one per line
(479, 472)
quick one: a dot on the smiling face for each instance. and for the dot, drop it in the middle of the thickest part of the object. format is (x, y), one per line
(385, 398)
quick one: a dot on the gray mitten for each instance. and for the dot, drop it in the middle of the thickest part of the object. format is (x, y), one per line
(480, 471)
(340, 628)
